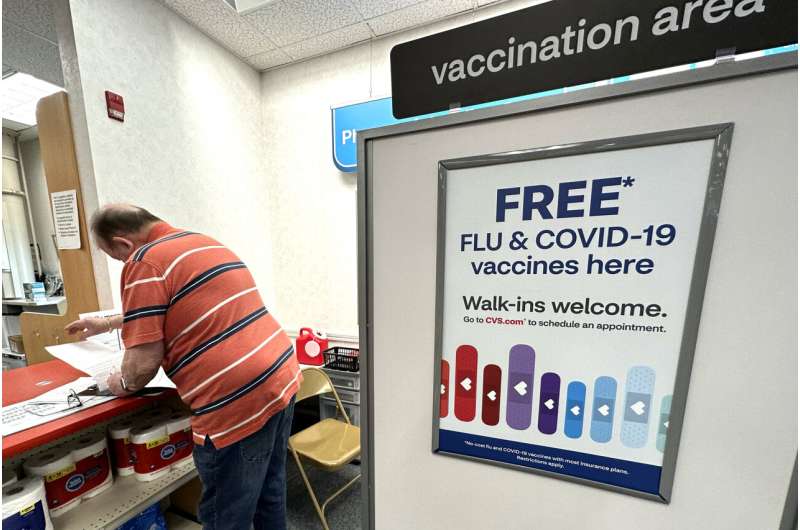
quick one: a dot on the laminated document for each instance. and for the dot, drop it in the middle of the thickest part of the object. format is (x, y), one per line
(49, 406)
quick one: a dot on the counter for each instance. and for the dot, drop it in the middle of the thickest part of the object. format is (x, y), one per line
(26, 383)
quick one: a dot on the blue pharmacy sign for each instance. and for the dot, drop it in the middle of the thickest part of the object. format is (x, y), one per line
(347, 120)
(350, 119)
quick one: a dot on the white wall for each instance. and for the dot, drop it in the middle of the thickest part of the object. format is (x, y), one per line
(40, 204)
(191, 147)
(313, 208)
(196, 150)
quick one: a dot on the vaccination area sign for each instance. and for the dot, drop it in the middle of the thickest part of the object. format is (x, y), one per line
(569, 42)
(570, 282)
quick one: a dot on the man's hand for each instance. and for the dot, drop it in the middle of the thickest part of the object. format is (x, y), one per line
(87, 327)
(114, 383)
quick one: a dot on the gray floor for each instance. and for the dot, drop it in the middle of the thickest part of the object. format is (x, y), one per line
(343, 513)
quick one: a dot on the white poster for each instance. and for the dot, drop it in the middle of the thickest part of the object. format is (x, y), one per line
(65, 219)
(564, 290)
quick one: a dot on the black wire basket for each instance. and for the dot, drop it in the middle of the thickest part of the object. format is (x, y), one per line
(341, 358)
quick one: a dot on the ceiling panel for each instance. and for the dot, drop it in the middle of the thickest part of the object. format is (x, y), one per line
(375, 8)
(35, 16)
(329, 42)
(220, 22)
(270, 59)
(284, 31)
(290, 21)
(418, 14)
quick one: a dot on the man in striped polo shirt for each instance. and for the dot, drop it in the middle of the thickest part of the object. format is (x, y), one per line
(190, 305)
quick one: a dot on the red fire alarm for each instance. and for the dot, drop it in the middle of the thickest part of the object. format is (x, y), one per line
(115, 106)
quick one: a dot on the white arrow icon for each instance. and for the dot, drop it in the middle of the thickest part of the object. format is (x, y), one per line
(604, 410)
(443, 389)
(492, 395)
(638, 407)
(666, 424)
(521, 388)
(549, 404)
(575, 410)
(467, 384)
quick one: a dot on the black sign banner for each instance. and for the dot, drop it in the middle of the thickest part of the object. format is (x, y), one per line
(565, 43)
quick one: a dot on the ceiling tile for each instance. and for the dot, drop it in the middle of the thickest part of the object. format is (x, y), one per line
(374, 8)
(270, 59)
(418, 14)
(290, 21)
(35, 16)
(329, 42)
(223, 24)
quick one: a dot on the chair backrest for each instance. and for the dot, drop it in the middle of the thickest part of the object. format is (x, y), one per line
(316, 382)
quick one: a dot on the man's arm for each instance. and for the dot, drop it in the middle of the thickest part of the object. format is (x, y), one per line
(139, 365)
(87, 327)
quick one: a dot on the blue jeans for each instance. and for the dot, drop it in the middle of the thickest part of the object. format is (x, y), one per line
(245, 483)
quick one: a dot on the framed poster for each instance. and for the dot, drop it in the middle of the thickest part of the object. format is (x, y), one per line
(570, 283)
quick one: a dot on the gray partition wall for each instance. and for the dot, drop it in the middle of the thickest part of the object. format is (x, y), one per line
(739, 433)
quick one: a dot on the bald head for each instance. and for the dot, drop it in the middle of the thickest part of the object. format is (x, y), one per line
(121, 221)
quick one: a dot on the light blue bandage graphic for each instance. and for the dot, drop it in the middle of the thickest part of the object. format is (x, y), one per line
(638, 397)
(663, 423)
(574, 411)
(605, 396)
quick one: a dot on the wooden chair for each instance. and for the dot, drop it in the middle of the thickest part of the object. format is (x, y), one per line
(329, 444)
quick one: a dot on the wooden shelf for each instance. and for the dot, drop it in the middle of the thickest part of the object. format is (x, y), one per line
(124, 500)
(23, 302)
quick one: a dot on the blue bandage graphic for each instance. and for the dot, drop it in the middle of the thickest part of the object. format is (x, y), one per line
(663, 423)
(573, 415)
(638, 397)
(605, 396)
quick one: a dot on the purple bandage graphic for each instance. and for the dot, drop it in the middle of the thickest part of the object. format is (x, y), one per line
(548, 403)
(521, 361)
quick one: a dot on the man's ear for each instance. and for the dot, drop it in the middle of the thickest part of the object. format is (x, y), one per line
(122, 247)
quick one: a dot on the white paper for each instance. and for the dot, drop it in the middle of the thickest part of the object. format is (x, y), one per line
(161, 380)
(95, 359)
(65, 219)
(17, 417)
(100, 361)
(113, 338)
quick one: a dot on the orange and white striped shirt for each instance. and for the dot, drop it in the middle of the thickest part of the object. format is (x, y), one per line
(232, 363)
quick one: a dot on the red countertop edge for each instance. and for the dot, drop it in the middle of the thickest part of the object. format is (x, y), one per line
(21, 384)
